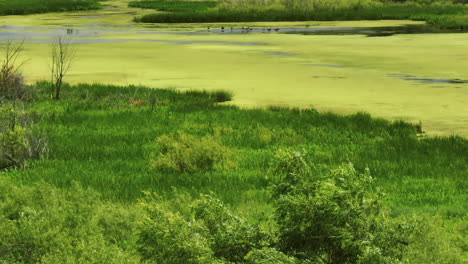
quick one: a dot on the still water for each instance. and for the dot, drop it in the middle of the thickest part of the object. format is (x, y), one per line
(392, 69)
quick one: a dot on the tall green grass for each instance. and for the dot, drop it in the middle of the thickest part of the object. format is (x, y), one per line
(105, 138)
(442, 14)
(25, 7)
(174, 6)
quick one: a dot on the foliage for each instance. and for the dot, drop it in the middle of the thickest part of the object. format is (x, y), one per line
(25, 7)
(435, 240)
(186, 153)
(41, 224)
(334, 218)
(98, 138)
(174, 6)
(18, 142)
(166, 237)
(314, 10)
(230, 237)
(269, 256)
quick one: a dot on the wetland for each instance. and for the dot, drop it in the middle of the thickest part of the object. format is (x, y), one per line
(284, 142)
(247, 64)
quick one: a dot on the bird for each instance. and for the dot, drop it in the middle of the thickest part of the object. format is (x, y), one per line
(222, 29)
(276, 29)
(269, 29)
(208, 28)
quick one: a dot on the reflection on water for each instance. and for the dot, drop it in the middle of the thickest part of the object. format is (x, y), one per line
(370, 32)
(426, 80)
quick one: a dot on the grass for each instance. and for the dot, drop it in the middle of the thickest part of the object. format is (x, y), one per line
(104, 137)
(175, 6)
(444, 16)
(26, 7)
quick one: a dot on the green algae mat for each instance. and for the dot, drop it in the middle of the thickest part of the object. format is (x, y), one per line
(414, 77)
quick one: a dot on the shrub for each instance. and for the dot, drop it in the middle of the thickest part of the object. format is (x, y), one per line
(230, 237)
(335, 218)
(42, 224)
(166, 237)
(269, 256)
(18, 142)
(12, 85)
(186, 153)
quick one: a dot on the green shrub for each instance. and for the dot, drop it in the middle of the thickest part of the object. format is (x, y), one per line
(230, 237)
(335, 218)
(186, 153)
(18, 142)
(269, 256)
(168, 238)
(42, 224)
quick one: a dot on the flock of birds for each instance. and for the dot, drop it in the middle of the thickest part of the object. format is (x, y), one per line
(247, 29)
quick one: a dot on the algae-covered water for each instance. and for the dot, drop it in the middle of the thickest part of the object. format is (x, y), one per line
(338, 66)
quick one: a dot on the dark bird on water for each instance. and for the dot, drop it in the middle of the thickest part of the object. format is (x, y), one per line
(222, 29)
(269, 29)
(276, 29)
(208, 28)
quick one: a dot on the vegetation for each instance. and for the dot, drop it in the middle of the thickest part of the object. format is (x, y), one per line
(291, 198)
(175, 6)
(25, 7)
(439, 13)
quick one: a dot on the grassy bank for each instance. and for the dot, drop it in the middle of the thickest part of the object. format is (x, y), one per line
(121, 141)
(444, 15)
(104, 137)
(25, 7)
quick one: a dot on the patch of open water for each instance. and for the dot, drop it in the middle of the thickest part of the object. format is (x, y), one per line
(426, 80)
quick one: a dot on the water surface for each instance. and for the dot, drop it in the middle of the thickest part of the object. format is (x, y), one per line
(332, 66)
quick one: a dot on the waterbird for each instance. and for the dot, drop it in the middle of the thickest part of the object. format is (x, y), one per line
(269, 29)
(276, 29)
(208, 28)
(222, 29)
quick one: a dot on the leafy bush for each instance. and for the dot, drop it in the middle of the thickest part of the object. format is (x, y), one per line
(269, 256)
(186, 153)
(230, 237)
(42, 224)
(335, 218)
(18, 142)
(166, 237)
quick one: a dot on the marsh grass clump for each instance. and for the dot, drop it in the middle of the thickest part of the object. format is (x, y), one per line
(25, 7)
(319, 10)
(185, 153)
(175, 6)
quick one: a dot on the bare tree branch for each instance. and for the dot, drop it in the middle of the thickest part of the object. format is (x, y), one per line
(62, 57)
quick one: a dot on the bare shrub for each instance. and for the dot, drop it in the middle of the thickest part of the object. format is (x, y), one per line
(12, 85)
(62, 58)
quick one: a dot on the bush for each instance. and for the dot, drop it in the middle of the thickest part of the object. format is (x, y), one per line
(12, 85)
(335, 218)
(166, 237)
(42, 224)
(18, 142)
(269, 256)
(231, 237)
(186, 153)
